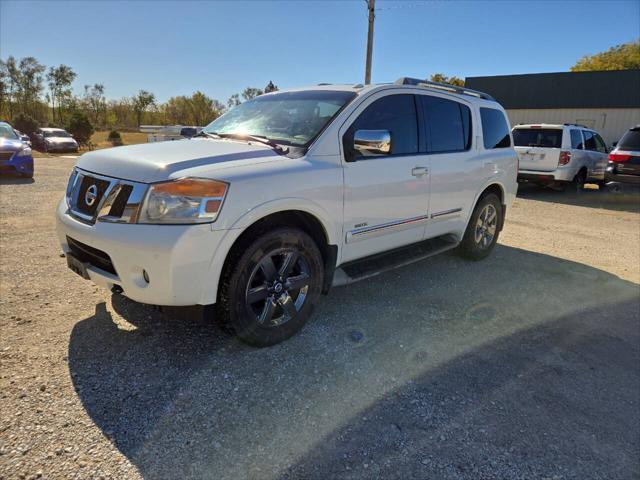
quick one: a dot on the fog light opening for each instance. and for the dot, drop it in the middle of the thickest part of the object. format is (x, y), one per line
(145, 275)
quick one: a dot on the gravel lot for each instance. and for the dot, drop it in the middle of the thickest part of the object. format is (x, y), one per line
(526, 365)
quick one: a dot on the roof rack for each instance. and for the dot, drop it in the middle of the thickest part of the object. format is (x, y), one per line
(443, 86)
(574, 125)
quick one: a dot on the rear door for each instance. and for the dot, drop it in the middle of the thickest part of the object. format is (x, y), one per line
(601, 158)
(538, 148)
(591, 150)
(456, 168)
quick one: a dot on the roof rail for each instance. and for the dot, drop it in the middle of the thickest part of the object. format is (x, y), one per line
(443, 86)
(574, 125)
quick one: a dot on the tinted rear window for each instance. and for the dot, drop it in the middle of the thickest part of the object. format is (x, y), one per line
(630, 141)
(537, 137)
(448, 125)
(589, 140)
(495, 129)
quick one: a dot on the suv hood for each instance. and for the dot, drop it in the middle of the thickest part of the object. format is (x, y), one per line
(158, 161)
(11, 145)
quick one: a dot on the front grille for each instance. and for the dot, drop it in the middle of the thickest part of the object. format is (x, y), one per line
(4, 156)
(120, 203)
(93, 256)
(83, 199)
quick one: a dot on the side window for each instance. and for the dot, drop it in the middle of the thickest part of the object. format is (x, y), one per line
(396, 113)
(589, 140)
(576, 140)
(600, 145)
(495, 129)
(448, 125)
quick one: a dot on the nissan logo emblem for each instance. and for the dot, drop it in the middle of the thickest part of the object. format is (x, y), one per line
(90, 195)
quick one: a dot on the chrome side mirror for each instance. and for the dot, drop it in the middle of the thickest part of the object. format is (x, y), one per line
(372, 142)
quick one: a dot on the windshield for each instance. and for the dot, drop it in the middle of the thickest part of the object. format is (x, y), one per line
(291, 118)
(56, 133)
(537, 137)
(630, 141)
(7, 132)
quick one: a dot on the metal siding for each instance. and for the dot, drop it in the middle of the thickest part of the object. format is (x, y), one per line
(609, 89)
(611, 123)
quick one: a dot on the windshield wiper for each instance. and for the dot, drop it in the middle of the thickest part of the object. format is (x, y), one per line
(255, 138)
(206, 134)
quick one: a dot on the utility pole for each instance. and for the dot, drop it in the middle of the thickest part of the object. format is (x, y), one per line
(371, 6)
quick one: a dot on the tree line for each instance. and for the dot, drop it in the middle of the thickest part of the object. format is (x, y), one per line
(36, 96)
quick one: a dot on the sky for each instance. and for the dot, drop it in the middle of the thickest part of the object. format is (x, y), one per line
(220, 47)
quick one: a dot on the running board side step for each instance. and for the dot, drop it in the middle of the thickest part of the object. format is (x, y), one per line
(383, 262)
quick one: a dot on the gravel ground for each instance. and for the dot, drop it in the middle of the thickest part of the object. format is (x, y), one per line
(526, 365)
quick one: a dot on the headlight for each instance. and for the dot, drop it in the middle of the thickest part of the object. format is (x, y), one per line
(188, 200)
(25, 152)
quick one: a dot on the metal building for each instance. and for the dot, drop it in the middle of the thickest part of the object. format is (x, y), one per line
(607, 101)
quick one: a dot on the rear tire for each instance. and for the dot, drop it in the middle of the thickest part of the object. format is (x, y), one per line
(482, 231)
(577, 184)
(270, 288)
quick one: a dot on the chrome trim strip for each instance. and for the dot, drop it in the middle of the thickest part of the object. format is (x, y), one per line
(399, 225)
(446, 212)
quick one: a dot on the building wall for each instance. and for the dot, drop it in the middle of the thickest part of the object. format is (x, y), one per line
(611, 123)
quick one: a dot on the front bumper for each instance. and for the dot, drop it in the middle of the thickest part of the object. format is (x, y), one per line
(53, 147)
(22, 165)
(557, 175)
(177, 258)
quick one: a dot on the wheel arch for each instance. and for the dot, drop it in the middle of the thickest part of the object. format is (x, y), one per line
(253, 223)
(496, 188)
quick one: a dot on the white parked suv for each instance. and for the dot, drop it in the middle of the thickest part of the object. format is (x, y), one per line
(560, 156)
(290, 193)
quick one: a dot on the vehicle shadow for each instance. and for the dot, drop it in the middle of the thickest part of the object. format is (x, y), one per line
(8, 179)
(628, 200)
(523, 365)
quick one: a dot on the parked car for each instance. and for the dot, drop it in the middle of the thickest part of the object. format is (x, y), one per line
(54, 140)
(561, 156)
(624, 160)
(24, 137)
(15, 156)
(289, 194)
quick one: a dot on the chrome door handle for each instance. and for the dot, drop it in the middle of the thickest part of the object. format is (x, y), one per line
(419, 171)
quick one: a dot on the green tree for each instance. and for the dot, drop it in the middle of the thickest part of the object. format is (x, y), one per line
(620, 57)
(141, 102)
(11, 79)
(30, 84)
(270, 87)
(59, 80)
(80, 127)
(442, 78)
(251, 92)
(25, 123)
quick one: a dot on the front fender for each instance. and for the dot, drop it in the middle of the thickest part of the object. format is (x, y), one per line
(212, 280)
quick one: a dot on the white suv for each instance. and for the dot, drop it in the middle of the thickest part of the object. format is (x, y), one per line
(290, 193)
(560, 156)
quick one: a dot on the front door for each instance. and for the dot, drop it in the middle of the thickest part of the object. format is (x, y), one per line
(386, 196)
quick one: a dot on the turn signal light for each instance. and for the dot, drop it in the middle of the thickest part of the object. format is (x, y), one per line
(565, 157)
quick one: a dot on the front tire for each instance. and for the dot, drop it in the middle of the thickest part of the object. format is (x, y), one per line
(482, 232)
(270, 289)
